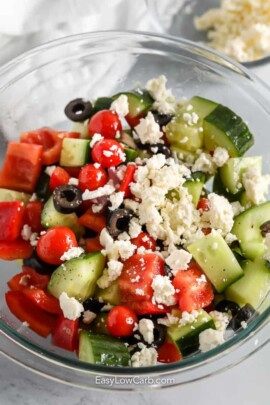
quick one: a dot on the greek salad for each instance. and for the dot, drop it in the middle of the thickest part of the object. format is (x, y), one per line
(143, 233)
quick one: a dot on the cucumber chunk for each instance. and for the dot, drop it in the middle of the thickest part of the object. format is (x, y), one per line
(105, 350)
(217, 260)
(186, 137)
(50, 218)
(219, 188)
(231, 173)
(187, 337)
(247, 229)
(82, 128)
(195, 186)
(253, 287)
(74, 152)
(222, 127)
(99, 324)
(110, 294)
(202, 106)
(77, 277)
(131, 155)
(139, 103)
(11, 195)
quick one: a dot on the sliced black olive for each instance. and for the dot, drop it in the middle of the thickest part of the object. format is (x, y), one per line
(67, 198)
(78, 110)
(244, 314)
(160, 332)
(161, 148)
(39, 265)
(168, 271)
(162, 119)
(265, 228)
(93, 305)
(228, 306)
(118, 221)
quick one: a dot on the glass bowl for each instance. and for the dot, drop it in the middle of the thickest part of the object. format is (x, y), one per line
(35, 87)
(176, 17)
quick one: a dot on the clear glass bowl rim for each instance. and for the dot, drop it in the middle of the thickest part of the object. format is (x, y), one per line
(13, 70)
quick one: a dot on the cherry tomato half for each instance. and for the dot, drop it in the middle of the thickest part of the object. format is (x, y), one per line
(203, 204)
(121, 321)
(108, 153)
(92, 177)
(145, 240)
(106, 123)
(54, 243)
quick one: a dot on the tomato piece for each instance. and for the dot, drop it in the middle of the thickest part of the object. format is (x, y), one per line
(138, 273)
(92, 177)
(168, 353)
(73, 171)
(50, 139)
(15, 249)
(146, 308)
(11, 220)
(134, 121)
(206, 231)
(106, 123)
(43, 300)
(38, 320)
(22, 167)
(128, 178)
(32, 216)
(108, 153)
(203, 204)
(194, 293)
(144, 240)
(28, 278)
(94, 221)
(54, 243)
(65, 333)
(58, 178)
(121, 321)
(92, 245)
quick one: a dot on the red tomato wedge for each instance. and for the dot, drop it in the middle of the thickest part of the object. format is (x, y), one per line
(128, 178)
(32, 217)
(168, 353)
(58, 178)
(11, 220)
(147, 308)
(144, 240)
(50, 139)
(94, 221)
(43, 300)
(28, 278)
(138, 273)
(121, 321)
(65, 333)
(15, 249)
(92, 245)
(195, 293)
(203, 204)
(22, 167)
(39, 321)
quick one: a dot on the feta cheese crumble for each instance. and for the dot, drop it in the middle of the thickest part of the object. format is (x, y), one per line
(163, 291)
(256, 185)
(73, 181)
(120, 105)
(178, 260)
(88, 316)
(72, 253)
(148, 130)
(49, 170)
(108, 189)
(209, 339)
(165, 102)
(95, 138)
(146, 328)
(116, 200)
(220, 156)
(220, 214)
(111, 273)
(221, 320)
(145, 357)
(71, 307)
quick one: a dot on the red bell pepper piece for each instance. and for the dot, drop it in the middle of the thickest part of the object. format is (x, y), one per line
(43, 300)
(22, 167)
(15, 250)
(38, 320)
(28, 278)
(94, 221)
(92, 245)
(65, 333)
(128, 178)
(32, 217)
(147, 308)
(11, 220)
(58, 178)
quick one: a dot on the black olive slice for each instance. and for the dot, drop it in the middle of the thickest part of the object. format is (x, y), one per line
(160, 333)
(67, 198)
(162, 119)
(39, 265)
(228, 306)
(78, 110)
(93, 305)
(118, 221)
(265, 228)
(244, 314)
(161, 148)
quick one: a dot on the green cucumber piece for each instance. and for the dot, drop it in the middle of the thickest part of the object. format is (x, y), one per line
(105, 350)
(102, 103)
(42, 188)
(50, 218)
(187, 337)
(219, 188)
(231, 173)
(222, 127)
(217, 260)
(202, 106)
(77, 277)
(247, 229)
(254, 287)
(139, 103)
(82, 128)
(195, 186)
(99, 324)
(182, 154)
(131, 155)
(110, 294)
(178, 130)
(74, 152)
(11, 195)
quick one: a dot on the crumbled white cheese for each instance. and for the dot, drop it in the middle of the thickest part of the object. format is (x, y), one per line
(106, 307)
(165, 102)
(97, 208)
(164, 292)
(230, 238)
(26, 232)
(169, 320)
(73, 181)
(201, 279)
(244, 324)
(49, 170)
(88, 316)
(111, 273)
(145, 357)
(188, 317)
(134, 228)
(72, 253)
(204, 164)
(191, 118)
(220, 156)
(148, 130)
(116, 200)
(178, 260)
(209, 339)
(146, 328)
(220, 213)
(221, 320)
(120, 105)
(71, 307)
(34, 239)
(108, 189)
(139, 291)
(256, 185)
(115, 249)
(95, 138)
(237, 208)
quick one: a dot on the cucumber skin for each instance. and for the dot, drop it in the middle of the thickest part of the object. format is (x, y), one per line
(139, 102)
(7, 195)
(103, 350)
